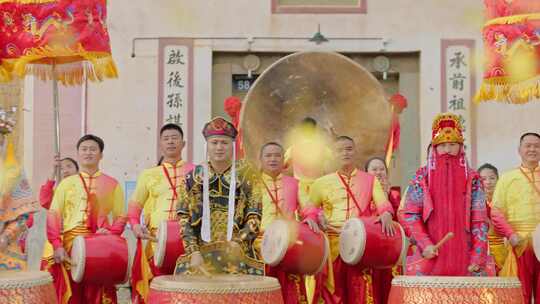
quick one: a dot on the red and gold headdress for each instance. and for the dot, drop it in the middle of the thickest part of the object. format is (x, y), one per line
(219, 126)
(446, 128)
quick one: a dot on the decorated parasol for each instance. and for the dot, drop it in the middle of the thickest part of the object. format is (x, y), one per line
(511, 37)
(64, 41)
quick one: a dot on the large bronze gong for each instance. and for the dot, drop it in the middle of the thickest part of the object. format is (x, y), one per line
(327, 86)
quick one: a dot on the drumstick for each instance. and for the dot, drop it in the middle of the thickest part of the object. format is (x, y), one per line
(445, 239)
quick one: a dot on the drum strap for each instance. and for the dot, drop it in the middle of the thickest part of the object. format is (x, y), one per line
(531, 180)
(349, 193)
(173, 186)
(272, 197)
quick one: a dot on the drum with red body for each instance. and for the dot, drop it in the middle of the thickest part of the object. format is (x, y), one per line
(103, 259)
(219, 288)
(363, 243)
(169, 246)
(455, 290)
(294, 248)
(28, 287)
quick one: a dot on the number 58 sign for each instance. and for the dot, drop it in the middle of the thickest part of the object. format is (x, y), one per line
(242, 83)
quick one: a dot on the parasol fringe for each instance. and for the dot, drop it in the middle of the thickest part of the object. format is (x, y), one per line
(512, 19)
(28, 1)
(501, 90)
(96, 66)
(5, 75)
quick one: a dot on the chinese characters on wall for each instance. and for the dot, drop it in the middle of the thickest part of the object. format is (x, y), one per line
(175, 84)
(457, 83)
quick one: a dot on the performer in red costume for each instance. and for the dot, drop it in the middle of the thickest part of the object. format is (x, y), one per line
(446, 196)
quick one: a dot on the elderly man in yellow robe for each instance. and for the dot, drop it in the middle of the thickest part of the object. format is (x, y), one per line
(155, 196)
(82, 205)
(516, 212)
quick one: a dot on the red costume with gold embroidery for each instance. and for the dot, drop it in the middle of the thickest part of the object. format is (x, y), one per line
(446, 196)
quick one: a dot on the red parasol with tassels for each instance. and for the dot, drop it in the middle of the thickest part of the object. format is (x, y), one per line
(511, 37)
(64, 41)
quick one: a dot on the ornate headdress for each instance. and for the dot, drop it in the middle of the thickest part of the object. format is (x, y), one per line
(219, 126)
(446, 128)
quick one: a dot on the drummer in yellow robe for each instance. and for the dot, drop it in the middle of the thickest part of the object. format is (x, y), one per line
(280, 199)
(515, 213)
(219, 226)
(155, 196)
(82, 205)
(16, 203)
(335, 198)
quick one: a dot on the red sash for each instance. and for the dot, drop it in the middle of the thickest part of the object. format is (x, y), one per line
(184, 169)
(363, 190)
(91, 205)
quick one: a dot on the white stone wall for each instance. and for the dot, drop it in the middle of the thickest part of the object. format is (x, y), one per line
(123, 111)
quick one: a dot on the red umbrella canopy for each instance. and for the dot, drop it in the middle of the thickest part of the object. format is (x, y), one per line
(71, 35)
(512, 51)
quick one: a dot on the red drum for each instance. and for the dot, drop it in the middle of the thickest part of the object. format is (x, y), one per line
(169, 246)
(103, 259)
(294, 248)
(363, 243)
(29, 287)
(455, 290)
(219, 288)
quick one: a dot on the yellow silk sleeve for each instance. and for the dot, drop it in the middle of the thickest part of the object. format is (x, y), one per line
(316, 193)
(118, 202)
(499, 196)
(379, 196)
(59, 197)
(141, 193)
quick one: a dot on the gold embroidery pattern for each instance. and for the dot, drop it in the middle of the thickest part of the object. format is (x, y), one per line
(271, 297)
(43, 294)
(366, 274)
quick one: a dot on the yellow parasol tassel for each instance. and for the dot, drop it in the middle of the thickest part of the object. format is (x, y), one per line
(10, 159)
(29, 1)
